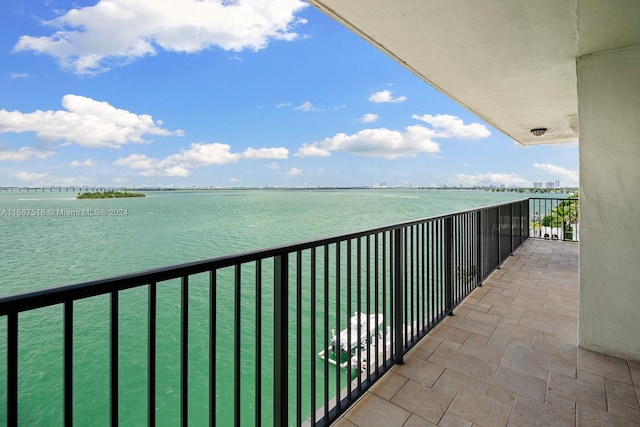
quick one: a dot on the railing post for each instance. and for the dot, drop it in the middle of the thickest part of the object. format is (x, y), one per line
(281, 342)
(479, 249)
(499, 235)
(397, 297)
(511, 230)
(448, 265)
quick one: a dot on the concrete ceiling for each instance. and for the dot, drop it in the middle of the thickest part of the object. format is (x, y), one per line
(511, 62)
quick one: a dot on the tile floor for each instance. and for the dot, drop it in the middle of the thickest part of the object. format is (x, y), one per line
(508, 357)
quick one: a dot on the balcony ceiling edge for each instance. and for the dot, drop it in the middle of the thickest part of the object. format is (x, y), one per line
(513, 64)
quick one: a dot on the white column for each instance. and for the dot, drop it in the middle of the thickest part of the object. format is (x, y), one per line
(609, 111)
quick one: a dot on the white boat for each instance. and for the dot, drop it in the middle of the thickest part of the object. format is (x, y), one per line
(344, 347)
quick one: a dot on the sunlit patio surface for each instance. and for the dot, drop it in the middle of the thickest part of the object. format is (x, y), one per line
(508, 356)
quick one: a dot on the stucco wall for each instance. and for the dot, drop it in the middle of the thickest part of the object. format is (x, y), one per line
(609, 110)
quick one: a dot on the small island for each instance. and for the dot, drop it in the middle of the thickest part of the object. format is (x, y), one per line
(109, 195)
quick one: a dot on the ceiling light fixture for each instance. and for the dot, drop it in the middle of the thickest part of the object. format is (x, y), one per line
(539, 131)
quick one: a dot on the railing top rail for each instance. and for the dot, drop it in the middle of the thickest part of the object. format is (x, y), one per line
(56, 295)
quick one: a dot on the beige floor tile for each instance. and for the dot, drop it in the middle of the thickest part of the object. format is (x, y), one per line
(464, 364)
(604, 365)
(537, 363)
(445, 332)
(550, 343)
(424, 372)
(514, 334)
(343, 422)
(373, 411)
(469, 325)
(502, 395)
(625, 411)
(528, 412)
(510, 313)
(588, 416)
(574, 389)
(521, 384)
(480, 409)
(388, 385)
(416, 421)
(452, 420)
(451, 382)
(621, 393)
(487, 318)
(423, 401)
(488, 352)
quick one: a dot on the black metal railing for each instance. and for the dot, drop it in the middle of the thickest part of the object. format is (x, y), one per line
(555, 218)
(293, 334)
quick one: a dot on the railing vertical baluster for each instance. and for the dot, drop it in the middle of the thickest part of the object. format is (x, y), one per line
(376, 298)
(448, 264)
(113, 358)
(498, 232)
(338, 328)
(68, 364)
(349, 303)
(12, 369)
(212, 346)
(368, 282)
(237, 327)
(299, 338)
(359, 296)
(258, 349)
(281, 340)
(325, 280)
(412, 283)
(184, 351)
(479, 275)
(384, 294)
(314, 335)
(398, 298)
(511, 224)
(151, 356)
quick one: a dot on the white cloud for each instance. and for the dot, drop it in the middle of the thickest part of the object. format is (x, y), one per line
(447, 126)
(86, 122)
(24, 153)
(294, 172)
(273, 165)
(266, 153)
(30, 176)
(386, 96)
(306, 107)
(490, 178)
(200, 154)
(380, 142)
(85, 162)
(313, 150)
(91, 39)
(180, 164)
(369, 118)
(284, 104)
(567, 176)
(19, 75)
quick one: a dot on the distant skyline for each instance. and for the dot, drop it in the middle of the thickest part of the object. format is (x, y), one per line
(232, 94)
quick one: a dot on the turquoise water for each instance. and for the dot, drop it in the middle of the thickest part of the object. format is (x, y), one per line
(45, 245)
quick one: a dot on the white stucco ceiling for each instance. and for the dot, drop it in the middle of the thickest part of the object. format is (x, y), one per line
(511, 62)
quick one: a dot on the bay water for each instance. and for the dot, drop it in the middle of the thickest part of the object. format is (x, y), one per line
(50, 239)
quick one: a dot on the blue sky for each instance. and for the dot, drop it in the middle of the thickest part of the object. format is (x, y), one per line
(231, 93)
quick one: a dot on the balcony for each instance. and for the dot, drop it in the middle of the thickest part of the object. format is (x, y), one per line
(508, 356)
